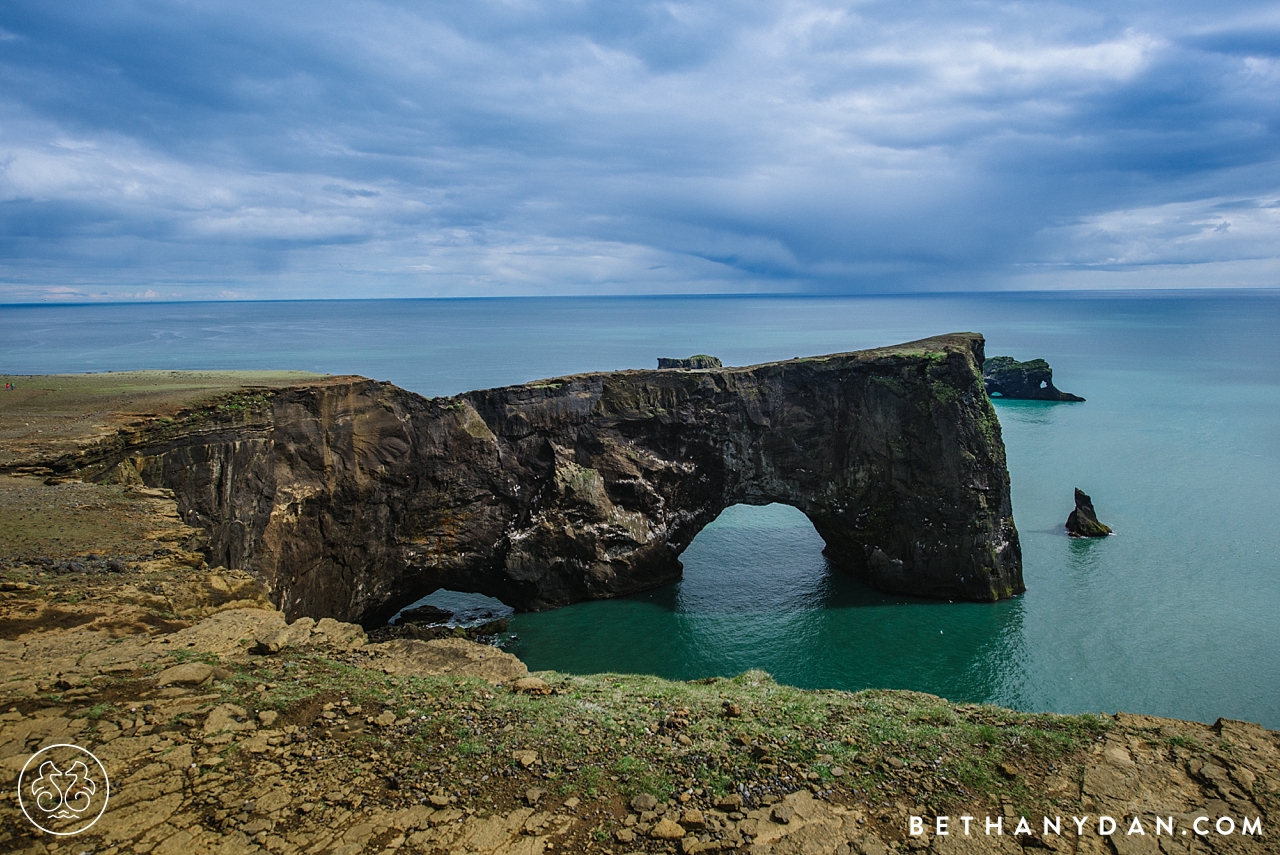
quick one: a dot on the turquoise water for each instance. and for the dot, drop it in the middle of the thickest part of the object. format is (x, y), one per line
(1179, 444)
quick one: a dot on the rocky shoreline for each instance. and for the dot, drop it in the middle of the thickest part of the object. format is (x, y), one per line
(241, 733)
(228, 729)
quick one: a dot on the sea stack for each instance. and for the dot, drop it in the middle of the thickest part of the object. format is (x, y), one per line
(1032, 380)
(1083, 522)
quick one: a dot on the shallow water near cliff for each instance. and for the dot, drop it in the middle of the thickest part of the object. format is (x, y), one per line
(1178, 443)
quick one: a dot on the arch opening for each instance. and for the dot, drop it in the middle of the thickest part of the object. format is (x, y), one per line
(755, 558)
(445, 612)
(758, 592)
(463, 608)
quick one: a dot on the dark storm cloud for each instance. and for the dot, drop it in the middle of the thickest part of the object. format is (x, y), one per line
(340, 149)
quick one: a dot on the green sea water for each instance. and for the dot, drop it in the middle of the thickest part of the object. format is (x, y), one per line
(1177, 614)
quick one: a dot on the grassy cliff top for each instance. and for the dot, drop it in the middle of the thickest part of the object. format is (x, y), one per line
(56, 412)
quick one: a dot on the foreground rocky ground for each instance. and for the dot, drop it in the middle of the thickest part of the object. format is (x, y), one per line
(224, 729)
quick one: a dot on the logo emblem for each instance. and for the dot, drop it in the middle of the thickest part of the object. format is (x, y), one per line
(63, 789)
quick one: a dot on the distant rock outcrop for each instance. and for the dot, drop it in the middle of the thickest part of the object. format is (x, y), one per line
(1031, 380)
(1083, 522)
(699, 361)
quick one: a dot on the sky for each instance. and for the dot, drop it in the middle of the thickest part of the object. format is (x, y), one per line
(216, 149)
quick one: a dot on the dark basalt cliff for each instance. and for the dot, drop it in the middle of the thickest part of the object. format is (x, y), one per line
(351, 498)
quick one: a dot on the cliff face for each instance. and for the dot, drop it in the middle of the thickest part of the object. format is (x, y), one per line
(351, 498)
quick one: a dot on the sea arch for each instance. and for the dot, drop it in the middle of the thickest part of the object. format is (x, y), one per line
(893, 455)
(350, 498)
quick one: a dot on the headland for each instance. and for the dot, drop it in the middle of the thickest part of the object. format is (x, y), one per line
(229, 727)
(350, 498)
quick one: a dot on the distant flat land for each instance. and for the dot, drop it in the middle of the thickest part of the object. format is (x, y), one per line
(46, 415)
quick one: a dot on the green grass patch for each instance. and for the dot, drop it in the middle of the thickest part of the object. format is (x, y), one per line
(620, 735)
(95, 712)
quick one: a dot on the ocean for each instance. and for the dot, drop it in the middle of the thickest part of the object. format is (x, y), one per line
(1177, 614)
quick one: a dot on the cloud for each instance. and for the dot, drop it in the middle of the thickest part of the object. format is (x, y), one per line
(549, 146)
(1210, 230)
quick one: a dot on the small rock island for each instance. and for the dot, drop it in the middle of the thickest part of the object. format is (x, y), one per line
(1006, 377)
(1083, 521)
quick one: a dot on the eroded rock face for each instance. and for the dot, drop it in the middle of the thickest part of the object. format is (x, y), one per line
(1031, 380)
(349, 497)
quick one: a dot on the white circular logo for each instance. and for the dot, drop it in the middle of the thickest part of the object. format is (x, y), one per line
(63, 789)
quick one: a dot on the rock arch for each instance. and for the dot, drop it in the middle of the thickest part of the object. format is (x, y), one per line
(352, 497)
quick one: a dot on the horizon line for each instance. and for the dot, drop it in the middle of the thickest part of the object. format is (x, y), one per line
(770, 295)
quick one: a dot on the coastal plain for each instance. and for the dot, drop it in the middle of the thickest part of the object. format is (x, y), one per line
(226, 728)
